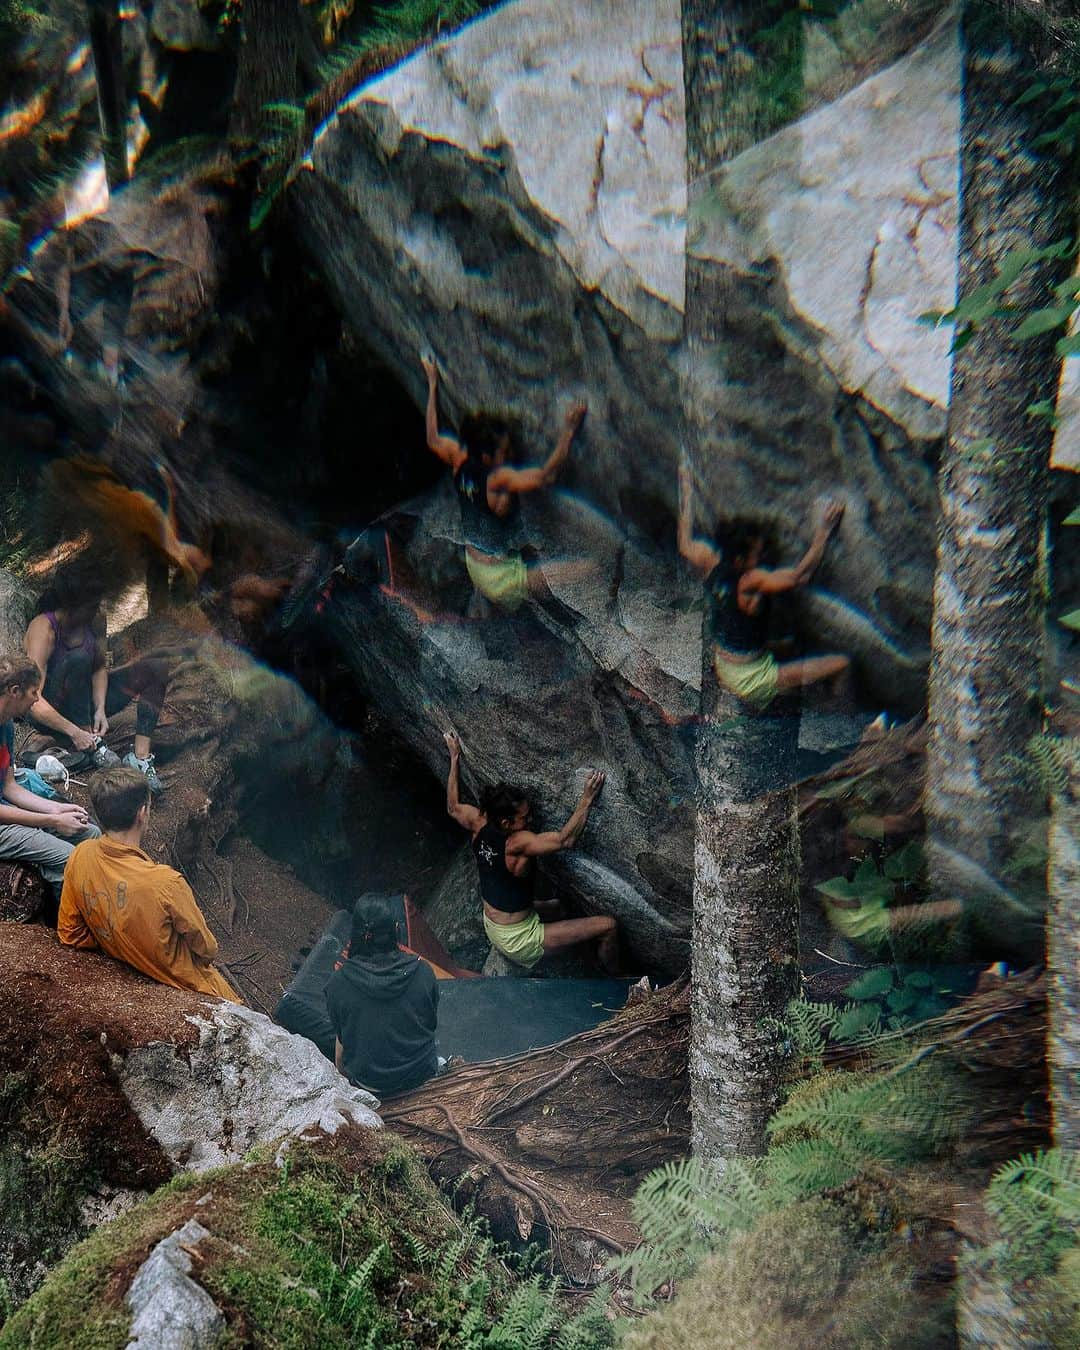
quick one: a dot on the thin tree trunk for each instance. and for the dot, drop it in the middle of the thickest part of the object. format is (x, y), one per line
(1063, 954)
(986, 676)
(271, 40)
(746, 854)
(107, 45)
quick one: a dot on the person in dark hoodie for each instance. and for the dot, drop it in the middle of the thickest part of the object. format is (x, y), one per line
(383, 1004)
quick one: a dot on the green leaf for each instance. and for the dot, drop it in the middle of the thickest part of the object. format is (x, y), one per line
(837, 888)
(871, 984)
(1031, 93)
(905, 864)
(902, 1000)
(936, 317)
(918, 979)
(853, 1021)
(1071, 620)
(867, 827)
(1043, 320)
(1044, 408)
(842, 786)
(1073, 518)
(1069, 346)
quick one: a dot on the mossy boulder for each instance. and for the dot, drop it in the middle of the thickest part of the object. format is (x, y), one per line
(339, 1241)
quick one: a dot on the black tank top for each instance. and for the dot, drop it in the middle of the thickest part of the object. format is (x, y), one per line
(498, 886)
(482, 528)
(69, 674)
(739, 633)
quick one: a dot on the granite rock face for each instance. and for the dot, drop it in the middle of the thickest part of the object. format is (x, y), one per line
(513, 198)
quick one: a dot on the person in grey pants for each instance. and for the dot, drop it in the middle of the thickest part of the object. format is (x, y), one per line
(32, 829)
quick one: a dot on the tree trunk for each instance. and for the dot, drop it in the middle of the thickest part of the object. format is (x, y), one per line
(107, 44)
(1063, 953)
(986, 676)
(746, 854)
(271, 41)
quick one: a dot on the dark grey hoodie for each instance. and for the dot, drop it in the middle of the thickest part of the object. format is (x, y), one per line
(384, 1011)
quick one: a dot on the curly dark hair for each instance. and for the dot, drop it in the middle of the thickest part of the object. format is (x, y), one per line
(483, 432)
(737, 536)
(375, 921)
(500, 803)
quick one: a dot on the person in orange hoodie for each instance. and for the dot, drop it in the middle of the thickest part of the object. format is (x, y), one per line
(119, 900)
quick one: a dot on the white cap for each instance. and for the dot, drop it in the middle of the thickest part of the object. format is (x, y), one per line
(50, 768)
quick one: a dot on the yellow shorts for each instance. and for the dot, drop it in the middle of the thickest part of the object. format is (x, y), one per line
(522, 943)
(754, 682)
(504, 580)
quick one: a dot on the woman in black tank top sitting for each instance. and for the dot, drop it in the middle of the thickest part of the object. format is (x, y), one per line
(504, 848)
(739, 589)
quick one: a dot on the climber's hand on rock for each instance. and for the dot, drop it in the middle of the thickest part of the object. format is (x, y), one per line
(576, 414)
(834, 513)
(452, 744)
(431, 370)
(593, 784)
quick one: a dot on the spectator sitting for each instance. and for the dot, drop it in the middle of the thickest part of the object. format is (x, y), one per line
(137, 910)
(383, 1005)
(32, 830)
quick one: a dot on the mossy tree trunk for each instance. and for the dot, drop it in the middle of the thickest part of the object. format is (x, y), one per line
(986, 676)
(746, 854)
(1063, 953)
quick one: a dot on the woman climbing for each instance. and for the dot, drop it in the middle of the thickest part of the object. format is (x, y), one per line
(739, 589)
(79, 693)
(504, 848)
(488, 487)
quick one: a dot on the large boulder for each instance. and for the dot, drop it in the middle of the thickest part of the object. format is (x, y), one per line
(513, 198)
(114, 1083)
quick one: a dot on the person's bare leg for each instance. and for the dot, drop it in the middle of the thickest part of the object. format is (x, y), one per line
(811, 671)
(569, 932)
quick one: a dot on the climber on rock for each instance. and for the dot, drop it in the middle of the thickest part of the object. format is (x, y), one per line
(32, 829)
(739, 589)
(383, 1005)
(116, 898)
(488, 488)
(80, 693)
(504, 848)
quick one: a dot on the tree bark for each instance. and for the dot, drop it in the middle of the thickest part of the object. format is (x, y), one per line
(986, 676)
(107, 44)
(268, 71)
(1063, 954)
(746, 854)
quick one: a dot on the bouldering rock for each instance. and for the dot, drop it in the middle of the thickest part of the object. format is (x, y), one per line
(169, 1310)
(16, 611)
(561, 710)
(512, 198)
(454, 912)
(246, 1082)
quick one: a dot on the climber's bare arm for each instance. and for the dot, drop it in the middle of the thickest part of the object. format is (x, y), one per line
(527, 844)
(698, 552)
(532, 477)
(448, 448)
(468, 817)
(774, 581)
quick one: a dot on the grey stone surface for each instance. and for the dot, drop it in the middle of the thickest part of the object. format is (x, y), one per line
(247, 1082)
(513, 199)
(16, 611)
(454, 912)
(170, 1310)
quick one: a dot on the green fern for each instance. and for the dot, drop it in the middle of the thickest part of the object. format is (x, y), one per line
(1036, 1201)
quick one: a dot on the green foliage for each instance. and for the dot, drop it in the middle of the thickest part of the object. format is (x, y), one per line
(278, 157)
(318, 1254)
(1036, 1202)
(23, 16)
(988, 301)
(833, 1128)
(1047, 761)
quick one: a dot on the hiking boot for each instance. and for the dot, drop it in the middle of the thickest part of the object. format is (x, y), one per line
(101, 757)
(145, 766)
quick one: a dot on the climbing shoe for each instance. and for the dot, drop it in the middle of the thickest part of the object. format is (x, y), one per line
(101, 757)
(145, 766)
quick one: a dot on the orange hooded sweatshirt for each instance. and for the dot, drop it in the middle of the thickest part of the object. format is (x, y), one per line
(141, 912)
